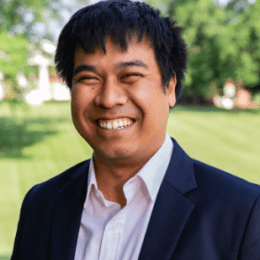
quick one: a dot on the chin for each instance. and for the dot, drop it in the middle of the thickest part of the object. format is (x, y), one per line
(115, 154)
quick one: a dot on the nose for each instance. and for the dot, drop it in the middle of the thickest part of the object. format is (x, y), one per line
(111, 94)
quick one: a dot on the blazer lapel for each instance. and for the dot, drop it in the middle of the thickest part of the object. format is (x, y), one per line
(67, 216)
(171, 210)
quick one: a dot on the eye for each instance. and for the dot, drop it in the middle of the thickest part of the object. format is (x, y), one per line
(130, 77)
(87, 80)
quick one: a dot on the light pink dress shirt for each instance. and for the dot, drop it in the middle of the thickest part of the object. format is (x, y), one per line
(108, 232)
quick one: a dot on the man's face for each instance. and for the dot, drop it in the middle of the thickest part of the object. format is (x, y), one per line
(118, 103)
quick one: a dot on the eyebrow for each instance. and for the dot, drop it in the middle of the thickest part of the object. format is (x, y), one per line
(133, 63)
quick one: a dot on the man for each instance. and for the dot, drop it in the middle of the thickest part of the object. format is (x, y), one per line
(140, 196)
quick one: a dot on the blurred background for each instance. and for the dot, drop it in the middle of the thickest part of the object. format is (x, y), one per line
(217, 119)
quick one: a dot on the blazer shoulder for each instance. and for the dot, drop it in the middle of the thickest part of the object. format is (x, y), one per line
(223, 182)
(49, 188)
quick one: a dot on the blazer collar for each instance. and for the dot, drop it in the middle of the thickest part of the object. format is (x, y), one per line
(68, 210)
(171, 210)
(180, 172)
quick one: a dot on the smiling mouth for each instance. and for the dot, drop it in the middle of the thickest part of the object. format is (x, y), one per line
(114, 124)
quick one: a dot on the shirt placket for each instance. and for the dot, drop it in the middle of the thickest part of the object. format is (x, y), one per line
(112, 237)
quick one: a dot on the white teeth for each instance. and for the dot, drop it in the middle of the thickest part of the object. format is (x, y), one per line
(115, 125)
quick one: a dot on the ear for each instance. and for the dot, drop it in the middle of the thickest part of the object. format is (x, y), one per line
(171, 91)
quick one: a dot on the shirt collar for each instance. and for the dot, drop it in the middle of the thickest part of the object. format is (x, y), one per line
(154, 170)
(92, 181)
(152, 173)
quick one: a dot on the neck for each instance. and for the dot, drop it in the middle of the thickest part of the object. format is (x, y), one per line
(112, 176)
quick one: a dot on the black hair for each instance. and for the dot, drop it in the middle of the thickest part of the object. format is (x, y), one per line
(90, 27)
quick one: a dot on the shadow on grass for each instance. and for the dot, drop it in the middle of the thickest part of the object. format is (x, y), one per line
(5, 257)
(15, 136)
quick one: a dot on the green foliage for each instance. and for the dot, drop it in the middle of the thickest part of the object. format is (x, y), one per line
(26, 15)
(161, 5)
(223, 42)
(249, 24)
(22, 15)
(14, 53)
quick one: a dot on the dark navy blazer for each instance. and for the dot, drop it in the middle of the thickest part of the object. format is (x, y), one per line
(201, 213)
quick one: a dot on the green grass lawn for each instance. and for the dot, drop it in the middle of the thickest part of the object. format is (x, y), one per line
(41, 142)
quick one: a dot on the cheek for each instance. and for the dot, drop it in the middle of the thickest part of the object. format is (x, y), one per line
(75, 108)
(80, 100)
(79, 105)
(151, 98)
(75, 101)
(156, 110)
(144, 98)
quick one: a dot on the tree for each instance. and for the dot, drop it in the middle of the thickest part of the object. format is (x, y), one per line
(223, 42)
(35, 18)
(13, 54)
(206, 33)
(249, 24)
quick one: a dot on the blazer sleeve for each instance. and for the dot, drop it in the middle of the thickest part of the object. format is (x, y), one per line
(250, 248)
(19, 233)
